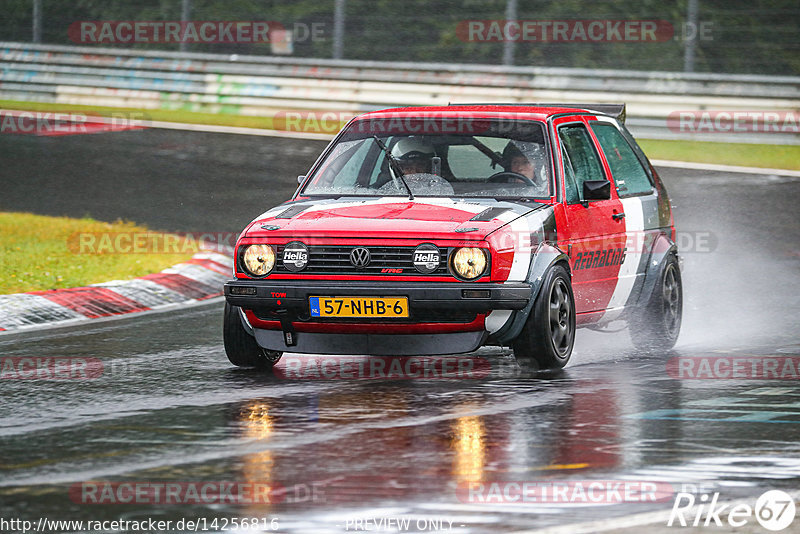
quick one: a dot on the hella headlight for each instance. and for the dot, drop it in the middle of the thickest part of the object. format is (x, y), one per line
(468, 262)
(258, 259)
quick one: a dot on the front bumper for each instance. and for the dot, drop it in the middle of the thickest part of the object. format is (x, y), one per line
(293, 295)
(282, 306)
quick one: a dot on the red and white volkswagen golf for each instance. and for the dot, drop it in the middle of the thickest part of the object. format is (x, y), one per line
(436, 230)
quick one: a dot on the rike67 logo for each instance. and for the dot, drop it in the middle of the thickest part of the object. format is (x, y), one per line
(774, 510)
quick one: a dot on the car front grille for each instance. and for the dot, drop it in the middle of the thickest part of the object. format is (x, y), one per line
(335, 259)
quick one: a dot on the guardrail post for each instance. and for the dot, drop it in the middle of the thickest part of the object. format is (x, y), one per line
(186, 13)
(338, 29)
(37, 21)
(508, 45)
(691, 38)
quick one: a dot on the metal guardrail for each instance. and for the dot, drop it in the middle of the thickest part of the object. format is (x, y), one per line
(266, 86)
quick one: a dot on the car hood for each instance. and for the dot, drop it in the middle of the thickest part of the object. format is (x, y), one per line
(388, 217)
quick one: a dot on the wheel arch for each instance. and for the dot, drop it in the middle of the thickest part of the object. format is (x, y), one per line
(663, 248)
(544, 258)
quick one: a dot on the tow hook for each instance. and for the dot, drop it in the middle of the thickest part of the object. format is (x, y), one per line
(289, 334)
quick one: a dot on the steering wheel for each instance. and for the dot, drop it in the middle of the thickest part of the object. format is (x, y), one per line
(506, 176)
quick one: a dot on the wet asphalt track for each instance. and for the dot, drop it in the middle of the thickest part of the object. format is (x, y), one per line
(169, 408)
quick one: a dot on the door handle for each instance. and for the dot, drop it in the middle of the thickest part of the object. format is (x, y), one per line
(618, 216)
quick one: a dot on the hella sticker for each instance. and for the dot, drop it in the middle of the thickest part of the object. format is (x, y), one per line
(295, 256)
(426, 258)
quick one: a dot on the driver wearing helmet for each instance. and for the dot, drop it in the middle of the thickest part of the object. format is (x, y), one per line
(414, 155)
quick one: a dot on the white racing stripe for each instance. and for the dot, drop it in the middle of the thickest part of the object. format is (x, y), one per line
(272, 212)
(520, 265)
(496, 319)
(521, 232)
(634, 228)
(327, 205)
(434, 201)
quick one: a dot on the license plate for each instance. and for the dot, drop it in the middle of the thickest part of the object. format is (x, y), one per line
(358, 306)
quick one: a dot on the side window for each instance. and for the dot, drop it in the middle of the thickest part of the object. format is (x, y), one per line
(629, 174)
(569, 179)
(581, 161)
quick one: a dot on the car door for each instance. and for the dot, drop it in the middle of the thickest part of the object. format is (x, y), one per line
(594, 231)
(639, 204)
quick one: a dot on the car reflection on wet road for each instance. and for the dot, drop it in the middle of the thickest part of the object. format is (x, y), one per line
(333, 449)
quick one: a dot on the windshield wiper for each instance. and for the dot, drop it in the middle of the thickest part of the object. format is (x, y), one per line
(394, 167)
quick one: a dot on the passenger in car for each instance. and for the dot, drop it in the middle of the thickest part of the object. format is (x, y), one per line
(525, 158)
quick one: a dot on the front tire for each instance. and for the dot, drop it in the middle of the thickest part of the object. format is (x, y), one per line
(659, 323)
(547, 338)
(241, 347)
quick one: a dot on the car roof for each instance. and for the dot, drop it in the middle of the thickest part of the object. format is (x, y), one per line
(529, 111)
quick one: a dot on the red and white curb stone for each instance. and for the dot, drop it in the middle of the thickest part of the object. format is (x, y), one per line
(200, 278)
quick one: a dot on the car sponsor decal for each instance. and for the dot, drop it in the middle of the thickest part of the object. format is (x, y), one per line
(593, 259)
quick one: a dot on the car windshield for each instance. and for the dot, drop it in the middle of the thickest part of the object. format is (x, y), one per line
(437, 157)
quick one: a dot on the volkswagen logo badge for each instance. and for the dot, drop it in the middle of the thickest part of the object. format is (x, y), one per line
(360, 257)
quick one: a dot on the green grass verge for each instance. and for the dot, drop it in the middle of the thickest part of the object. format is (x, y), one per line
(39, 252)
(167, 115)
(771, 156)
(316, 123)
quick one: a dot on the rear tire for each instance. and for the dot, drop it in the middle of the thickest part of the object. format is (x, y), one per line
(241, 347)
(658, 324)
(547, 338)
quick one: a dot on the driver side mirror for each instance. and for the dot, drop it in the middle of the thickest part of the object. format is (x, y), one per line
(596, 190)
(301, 179)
